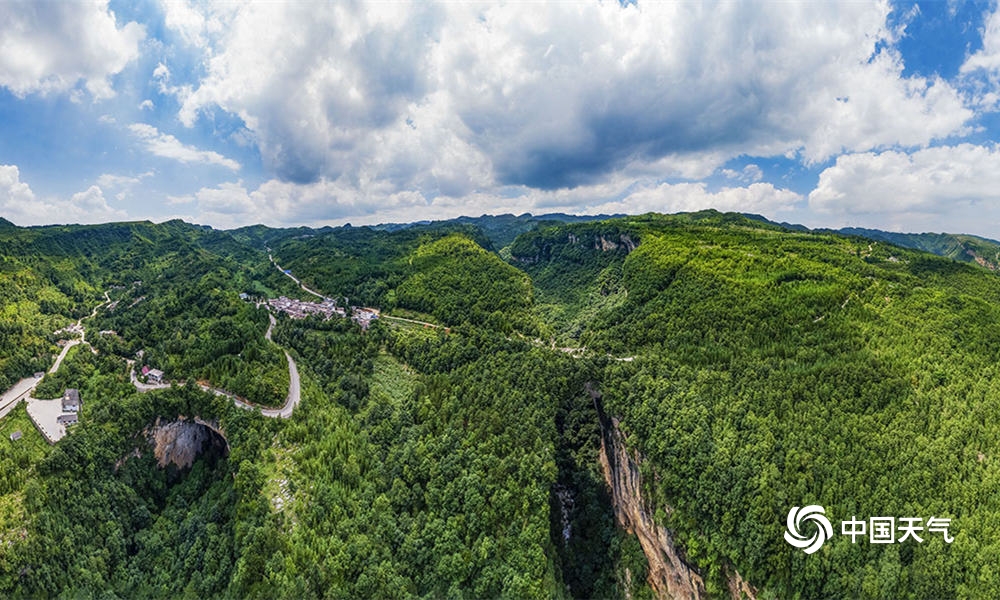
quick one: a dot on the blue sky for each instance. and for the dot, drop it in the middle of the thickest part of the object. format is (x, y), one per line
(829, 114)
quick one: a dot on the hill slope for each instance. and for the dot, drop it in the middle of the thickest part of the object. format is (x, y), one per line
(744, 368)
(769, 369)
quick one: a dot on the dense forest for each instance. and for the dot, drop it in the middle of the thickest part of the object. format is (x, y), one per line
(751, 367)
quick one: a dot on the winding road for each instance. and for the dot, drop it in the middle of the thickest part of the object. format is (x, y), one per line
(294, 278)
(22, 389)
(284, 412)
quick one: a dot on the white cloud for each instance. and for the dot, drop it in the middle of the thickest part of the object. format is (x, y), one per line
(987, 57)
(760, 198)
(162, 75)
(146, 104)
(19, 204)
(167, 146)
(194, 25)
(123, 185)
(335, 202)
(51, 46)
(949, 188)
(749, 174)
(13, 191)
(109, 180)
(453, 98)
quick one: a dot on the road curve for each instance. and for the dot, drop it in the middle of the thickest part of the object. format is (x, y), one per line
(284, 412)
(294, 393)
(62, 355)
(270, 327)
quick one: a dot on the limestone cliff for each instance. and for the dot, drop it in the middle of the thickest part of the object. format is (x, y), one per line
(670, 575)
(181, 441)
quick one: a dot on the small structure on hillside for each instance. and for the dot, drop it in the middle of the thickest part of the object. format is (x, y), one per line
(364, 316)
(71, 400)
(67, 419)
(16, 436)
(154, 376)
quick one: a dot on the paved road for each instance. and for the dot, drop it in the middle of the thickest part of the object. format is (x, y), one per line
(294, 393)
(270, 327)
(145, 387)
(62, 355)
(291, 401)
(23, 388)
(15, 394)
(295, 279)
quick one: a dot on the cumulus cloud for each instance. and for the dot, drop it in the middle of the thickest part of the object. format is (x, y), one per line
(564, 95)
(749, 174)
(980, 72)
(987, 57)
(51, 46)
(948, 188)
(122, 185)
(19, 204)
(167, 146)
(280, 203)
(194, 25)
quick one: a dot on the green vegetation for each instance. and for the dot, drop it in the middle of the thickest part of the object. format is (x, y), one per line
(752, 367)
(459, 282)
(963, 248)
(776, 369)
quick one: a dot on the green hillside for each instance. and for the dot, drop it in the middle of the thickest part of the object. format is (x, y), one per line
(749, 367)
(963, 248)
(775, 369)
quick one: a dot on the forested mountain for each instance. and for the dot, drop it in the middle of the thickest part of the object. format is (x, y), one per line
(563, 408)
(965, 248)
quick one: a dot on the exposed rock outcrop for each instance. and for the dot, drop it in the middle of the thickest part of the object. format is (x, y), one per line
(670, 575)
(607, 244)
(181, 441)
(541, 250)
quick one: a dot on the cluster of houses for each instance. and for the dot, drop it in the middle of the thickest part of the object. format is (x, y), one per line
(364, 316)
(71, 405)
(300, 309)
(73, 330)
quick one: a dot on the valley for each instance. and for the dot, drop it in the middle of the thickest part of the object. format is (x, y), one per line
(618, 408)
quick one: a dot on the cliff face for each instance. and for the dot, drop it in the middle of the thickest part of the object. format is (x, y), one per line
(543, 249)
(181, 441)
(670, 575)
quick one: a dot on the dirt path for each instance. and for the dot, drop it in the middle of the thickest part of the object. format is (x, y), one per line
(424, 323)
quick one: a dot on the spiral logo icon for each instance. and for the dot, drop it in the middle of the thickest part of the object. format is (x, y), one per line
(797, 516)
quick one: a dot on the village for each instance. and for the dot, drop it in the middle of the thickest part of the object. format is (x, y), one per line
(52, 417)
(327, 309)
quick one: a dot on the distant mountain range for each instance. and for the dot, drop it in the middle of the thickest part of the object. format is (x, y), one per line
(957, 246)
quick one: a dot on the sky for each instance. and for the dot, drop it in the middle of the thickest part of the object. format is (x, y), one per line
(864, 114)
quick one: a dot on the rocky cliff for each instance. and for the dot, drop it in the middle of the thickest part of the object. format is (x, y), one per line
(670, 575)
(181, 441)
